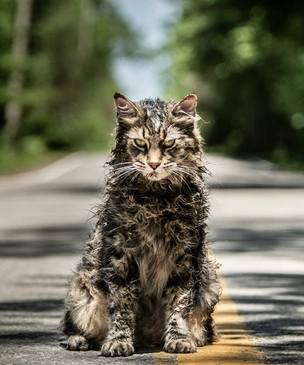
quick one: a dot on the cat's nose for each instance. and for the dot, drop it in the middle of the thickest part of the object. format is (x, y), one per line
(154, 165)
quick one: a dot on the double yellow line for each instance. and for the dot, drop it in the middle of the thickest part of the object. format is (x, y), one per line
(235, 347)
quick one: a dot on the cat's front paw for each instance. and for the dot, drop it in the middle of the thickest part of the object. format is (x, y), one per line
(180, 345)
(77, 343)
(117, 348)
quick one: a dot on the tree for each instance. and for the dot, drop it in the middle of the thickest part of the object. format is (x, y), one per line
(13, 110)
(60, 89)
(246, 61)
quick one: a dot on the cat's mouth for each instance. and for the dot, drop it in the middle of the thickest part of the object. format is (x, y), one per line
(153, 176)
(156, 176)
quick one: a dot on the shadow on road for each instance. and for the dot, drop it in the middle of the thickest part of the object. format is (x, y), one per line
(277, 238)
(32, 305)
(26, 322)
(266, 284)
(67, 189)
(272, 305)
(36, 242)
(28, 337)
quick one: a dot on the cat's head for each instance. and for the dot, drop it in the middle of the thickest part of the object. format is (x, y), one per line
(157, 140)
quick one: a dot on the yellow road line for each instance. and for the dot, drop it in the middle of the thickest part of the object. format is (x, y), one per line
(235, 347)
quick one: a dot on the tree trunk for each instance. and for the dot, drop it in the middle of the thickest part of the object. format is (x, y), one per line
(85, 33)
(13, 108)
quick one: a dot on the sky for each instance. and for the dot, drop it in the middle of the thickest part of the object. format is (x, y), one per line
(140, 79)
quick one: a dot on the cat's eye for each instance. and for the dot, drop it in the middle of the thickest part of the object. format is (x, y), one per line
(169, 143)
(140, 142)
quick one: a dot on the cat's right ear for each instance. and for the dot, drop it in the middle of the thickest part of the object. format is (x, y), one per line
(126, 109)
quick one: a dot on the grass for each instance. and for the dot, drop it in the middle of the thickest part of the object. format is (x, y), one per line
(31, 153)
(16, 161)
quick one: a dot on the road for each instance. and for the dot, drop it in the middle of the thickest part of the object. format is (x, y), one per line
(257, 235)
(259, 238)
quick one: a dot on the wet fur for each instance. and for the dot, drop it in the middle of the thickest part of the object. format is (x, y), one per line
(146, 276)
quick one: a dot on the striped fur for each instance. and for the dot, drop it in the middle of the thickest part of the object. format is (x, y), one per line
(146, 276)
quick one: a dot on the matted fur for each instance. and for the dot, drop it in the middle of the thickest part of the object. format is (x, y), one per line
(146, 275)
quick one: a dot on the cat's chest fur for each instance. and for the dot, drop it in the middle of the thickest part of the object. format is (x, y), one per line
(154, 251)
(157, 230)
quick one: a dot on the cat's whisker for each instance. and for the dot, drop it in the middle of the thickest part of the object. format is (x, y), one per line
(177, 174)
(137, 173)
(186, 171)
(182, 178)
(123, 168)
(125, 174)
(191, 170)
(140, 165)
(121, 171)
(122, 163)
(188, 168)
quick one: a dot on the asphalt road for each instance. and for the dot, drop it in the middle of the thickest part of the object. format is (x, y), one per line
(256, 228)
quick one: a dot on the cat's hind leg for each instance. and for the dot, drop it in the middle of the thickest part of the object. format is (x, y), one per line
(86, 318)
(78, 343)
(202, 327)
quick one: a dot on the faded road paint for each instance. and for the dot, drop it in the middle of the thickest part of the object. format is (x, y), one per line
(235, 347)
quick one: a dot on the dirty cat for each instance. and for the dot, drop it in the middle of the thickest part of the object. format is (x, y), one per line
(146, 276)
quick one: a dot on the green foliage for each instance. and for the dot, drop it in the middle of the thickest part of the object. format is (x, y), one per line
(245, 60)
(67, 87)
(29, 154)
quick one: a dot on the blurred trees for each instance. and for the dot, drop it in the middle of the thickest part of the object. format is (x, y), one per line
(13, 108)
(55, 72)
(245, 60)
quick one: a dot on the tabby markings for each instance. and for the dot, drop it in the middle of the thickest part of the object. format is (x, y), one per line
(235, 347)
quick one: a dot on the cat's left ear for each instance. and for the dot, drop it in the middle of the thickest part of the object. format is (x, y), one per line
(186, 106)
(126, 109)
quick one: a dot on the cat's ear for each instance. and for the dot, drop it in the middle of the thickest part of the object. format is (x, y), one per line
(186, 106)
(126, 109)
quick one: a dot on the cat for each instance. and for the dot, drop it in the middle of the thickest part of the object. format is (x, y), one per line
(147, 276)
